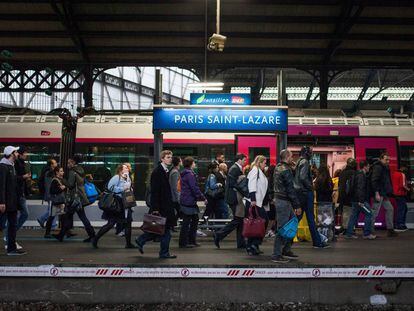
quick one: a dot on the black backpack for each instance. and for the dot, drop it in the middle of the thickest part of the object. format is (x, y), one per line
(350, 185)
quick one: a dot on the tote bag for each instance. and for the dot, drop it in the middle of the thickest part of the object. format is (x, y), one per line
(253, 227)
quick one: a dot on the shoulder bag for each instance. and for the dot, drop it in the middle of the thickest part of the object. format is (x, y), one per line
(254, 227)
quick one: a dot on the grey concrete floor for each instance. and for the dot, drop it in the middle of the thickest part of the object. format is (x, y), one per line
(397, 251)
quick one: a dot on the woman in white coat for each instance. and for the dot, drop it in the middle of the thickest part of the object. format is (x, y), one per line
(258, 184)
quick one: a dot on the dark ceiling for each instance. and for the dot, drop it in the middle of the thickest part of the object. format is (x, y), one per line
(305, 34)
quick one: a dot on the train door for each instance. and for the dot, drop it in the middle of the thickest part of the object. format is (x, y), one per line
(370, 148)
(253, 145)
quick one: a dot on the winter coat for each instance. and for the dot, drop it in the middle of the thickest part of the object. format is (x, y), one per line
(399, 180)
(161, 199)
(361, 187)
(174, 179)
(20, 167)
(230, 194)
(76, 176)
(323, 193)
(190, 192)
(346, 174)
(283, 185)
(381, 179)
(303, 176)
(258, 184)
(8, 186)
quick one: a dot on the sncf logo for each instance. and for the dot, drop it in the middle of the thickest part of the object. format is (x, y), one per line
(237, 100)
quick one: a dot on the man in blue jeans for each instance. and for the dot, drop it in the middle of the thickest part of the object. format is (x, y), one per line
(360, 203)
(304, 186)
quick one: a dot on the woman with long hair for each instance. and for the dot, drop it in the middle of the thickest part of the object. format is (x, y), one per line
(119, 183)
(57, 190)
(324, 187)
(190, 194)
(271, 212)
(257, 185)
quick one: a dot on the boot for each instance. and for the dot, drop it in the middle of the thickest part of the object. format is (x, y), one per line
(391, 233)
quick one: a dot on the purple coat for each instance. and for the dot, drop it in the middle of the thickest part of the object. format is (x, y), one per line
(190, 192)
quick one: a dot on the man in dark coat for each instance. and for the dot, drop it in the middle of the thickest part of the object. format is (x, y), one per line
(304, 186)
(230, 197)
(381, 187)
(9, 197)
(161, 204)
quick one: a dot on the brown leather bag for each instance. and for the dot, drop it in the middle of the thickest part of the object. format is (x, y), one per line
(154, 224)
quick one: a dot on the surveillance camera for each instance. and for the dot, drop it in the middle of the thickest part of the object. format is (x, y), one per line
(216, 43)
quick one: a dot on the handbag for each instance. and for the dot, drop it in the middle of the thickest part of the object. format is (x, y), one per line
(289, 229)
(108, 202)
(253, 227)
(128, 199)
(154, 224)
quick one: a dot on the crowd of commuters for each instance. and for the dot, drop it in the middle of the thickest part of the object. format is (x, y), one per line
(276, 194)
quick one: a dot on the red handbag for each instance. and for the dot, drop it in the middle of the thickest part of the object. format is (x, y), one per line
(253, 227)
(154, 224)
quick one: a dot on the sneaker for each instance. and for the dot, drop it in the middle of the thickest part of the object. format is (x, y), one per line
(18, 246)
(290, 255)
(270, 234)
(400, 229)
(17, 252)
(369, 237)
(323, 245)
(280, 259)
(122, 233)
(391, 233)
(201, 233)
(355, 237)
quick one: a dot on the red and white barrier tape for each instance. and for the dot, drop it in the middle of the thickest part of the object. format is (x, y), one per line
(221, 273)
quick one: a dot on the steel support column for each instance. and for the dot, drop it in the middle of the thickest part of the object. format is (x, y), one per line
(323, 89)
(88, 87)
(281, 100)
(158, 137)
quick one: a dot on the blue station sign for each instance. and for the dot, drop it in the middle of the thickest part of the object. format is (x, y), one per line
(220, 120)
(219, 99)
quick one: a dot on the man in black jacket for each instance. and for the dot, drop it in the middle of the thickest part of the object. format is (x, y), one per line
(304, 186)
(287, 205)
(360, 203)
(161, 204)
(230, 196)
(381, 187)
(345, 189)
(9, 197)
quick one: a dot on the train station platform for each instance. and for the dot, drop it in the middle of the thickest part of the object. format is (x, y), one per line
(351, 271)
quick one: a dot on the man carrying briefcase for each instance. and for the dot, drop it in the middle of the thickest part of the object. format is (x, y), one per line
(161, 204)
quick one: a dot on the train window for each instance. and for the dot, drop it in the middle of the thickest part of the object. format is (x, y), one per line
(373, 154)
(38, 156)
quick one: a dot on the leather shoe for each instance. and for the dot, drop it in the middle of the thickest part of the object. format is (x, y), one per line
(130, 246)
(94, 243)
(186, 246)
(88, 240)
(168, 257)
(216, 240)
(58, 237)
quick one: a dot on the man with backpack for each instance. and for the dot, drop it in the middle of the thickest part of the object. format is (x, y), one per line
(381, 187)
(345, 189)
(360, 202)
(230, 196)
(304, 187)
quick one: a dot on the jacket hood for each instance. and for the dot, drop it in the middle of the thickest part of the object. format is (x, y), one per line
(6, 161)
(79, 170)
